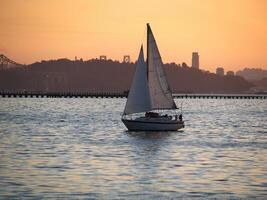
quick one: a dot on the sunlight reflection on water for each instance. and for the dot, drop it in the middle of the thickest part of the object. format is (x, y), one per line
(78, 148)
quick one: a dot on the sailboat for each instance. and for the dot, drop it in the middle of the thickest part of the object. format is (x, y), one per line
(149, 94)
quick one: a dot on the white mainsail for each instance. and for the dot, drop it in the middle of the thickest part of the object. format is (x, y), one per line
(160, 93)
(139, 99)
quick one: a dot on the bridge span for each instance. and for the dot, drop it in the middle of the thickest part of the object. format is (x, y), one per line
(6, 63)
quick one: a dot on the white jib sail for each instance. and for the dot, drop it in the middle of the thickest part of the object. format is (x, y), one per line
(139, 99)
(160, 93)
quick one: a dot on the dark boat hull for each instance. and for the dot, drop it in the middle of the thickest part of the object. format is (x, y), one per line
(152, 124)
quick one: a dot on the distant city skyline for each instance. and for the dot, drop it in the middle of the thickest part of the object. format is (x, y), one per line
(233, 36)
(127, 59)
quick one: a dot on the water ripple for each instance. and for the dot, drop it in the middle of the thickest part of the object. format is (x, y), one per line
(79, 149)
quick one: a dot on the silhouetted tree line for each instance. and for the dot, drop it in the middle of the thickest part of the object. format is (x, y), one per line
(110, 76)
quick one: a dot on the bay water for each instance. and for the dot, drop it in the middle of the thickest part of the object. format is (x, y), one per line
(78, 148)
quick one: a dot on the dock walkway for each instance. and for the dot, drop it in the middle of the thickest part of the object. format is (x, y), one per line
(123, 95)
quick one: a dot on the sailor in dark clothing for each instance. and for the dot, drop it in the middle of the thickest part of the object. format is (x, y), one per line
(152, 114)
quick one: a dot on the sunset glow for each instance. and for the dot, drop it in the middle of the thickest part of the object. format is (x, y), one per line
(231, 34)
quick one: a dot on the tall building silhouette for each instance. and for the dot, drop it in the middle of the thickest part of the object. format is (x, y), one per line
(195, 60)
(220, 71)
(230, 73)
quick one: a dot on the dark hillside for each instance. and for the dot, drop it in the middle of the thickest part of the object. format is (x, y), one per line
(110, 76)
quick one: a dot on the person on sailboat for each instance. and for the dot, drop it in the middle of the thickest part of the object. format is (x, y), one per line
(151, 114)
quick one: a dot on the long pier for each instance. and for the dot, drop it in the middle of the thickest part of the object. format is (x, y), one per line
(124, 95)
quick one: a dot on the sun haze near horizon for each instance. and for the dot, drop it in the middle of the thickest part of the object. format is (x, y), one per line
(231, 34)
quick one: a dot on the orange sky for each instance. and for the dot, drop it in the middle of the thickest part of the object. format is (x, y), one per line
(227, 33)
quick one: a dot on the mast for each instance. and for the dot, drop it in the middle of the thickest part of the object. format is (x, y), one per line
(147, 48)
